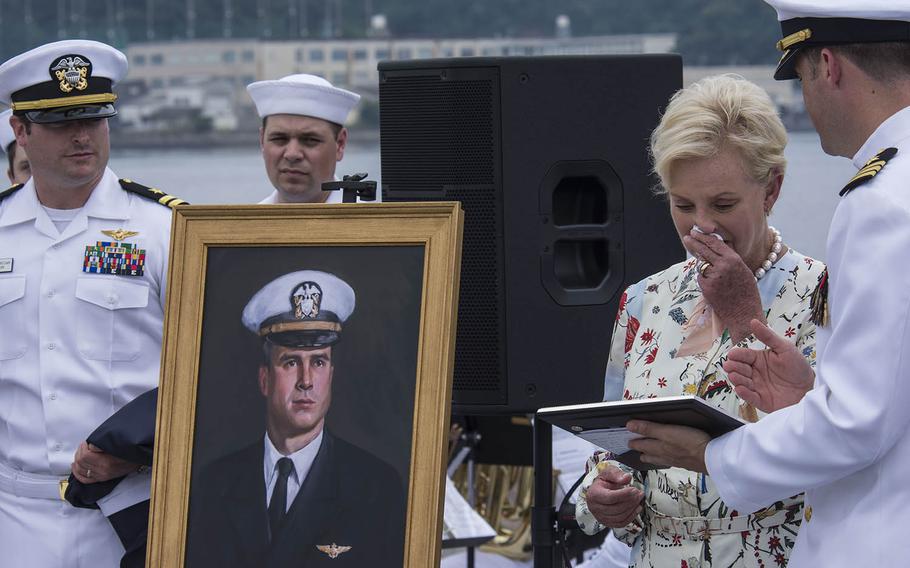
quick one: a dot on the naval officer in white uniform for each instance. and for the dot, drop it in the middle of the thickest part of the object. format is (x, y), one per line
(845, 442)
(302, 135)
(83, 260)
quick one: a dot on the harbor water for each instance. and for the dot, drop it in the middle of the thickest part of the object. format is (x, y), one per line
(237, 175)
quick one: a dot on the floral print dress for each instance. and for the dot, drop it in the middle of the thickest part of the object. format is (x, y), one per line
(684, 523)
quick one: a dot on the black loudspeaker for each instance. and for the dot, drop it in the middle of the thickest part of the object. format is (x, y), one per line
(548, 156)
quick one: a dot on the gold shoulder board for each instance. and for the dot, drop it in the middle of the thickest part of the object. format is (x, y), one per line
(7, 192)
(151, 193)
(870, 170)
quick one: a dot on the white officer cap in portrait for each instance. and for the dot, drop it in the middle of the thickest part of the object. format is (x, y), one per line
(305, 95)
(64, 80)
(303, 309)
(7, 136)
(806, 23)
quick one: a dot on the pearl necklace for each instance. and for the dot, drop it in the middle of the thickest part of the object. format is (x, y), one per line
(772, 256)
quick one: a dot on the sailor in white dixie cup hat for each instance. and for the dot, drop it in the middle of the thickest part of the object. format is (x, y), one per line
(300, 495)
(302, 136)
(841, 435)
(83, 265)
(18, 171)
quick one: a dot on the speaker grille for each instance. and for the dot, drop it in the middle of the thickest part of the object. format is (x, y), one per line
(440, 142)
(436, 133)
(477, 340)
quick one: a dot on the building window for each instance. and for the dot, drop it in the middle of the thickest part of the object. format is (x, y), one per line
(339, 55)
(157, 83)
(403, 53)
(247, 56)
(360, 54)
(424, 53)
(229, 57)
(382, 54)
(339, 79)
(467, 51)
(448, 52)
(156, 59)
(139, 59)
(317, 55)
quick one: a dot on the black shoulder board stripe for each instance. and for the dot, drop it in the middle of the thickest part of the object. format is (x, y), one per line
(7, 192)
(875, 164)
(151, 193)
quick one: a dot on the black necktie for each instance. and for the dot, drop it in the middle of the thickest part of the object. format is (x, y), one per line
(279, 503)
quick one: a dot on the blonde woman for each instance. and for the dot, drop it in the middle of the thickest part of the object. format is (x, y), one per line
(719, 154)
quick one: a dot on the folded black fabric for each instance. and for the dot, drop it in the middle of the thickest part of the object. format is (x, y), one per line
(128, 434)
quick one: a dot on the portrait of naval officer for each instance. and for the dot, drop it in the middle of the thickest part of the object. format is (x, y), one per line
(298, 496)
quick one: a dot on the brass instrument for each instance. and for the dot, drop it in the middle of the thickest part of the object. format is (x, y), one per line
(503, 496)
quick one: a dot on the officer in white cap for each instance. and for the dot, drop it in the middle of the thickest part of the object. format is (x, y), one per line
(843, 440)
(299, 496)
(83, 262)
(302, 136)
(19, 171)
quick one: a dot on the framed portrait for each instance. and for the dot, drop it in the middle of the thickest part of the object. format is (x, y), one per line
(305, 386)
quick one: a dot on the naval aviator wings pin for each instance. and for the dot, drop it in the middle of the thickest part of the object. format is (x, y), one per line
(332, 550)
(119, 234)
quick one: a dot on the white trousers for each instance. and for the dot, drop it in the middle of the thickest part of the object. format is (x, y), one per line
(51, 533)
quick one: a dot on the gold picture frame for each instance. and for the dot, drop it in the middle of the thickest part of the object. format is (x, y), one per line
(235, 240)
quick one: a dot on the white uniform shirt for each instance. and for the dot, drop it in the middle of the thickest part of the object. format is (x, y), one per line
(74, 346)
(846, 443)
(302, 460)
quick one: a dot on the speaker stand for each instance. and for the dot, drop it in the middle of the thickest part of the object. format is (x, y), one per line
(543, 514)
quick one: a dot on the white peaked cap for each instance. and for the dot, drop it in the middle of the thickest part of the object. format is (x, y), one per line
(861, 9)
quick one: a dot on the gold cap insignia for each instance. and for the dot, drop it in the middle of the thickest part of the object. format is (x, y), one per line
(332, 550)
(306, 299)
(120, 234)
(72, 72)
(793, 39)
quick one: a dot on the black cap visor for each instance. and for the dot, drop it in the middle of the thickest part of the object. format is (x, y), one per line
(64, 114)
(786, 67)
(312, 339)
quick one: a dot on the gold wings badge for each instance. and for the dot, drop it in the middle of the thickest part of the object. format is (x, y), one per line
(333, 550)
(120, 234)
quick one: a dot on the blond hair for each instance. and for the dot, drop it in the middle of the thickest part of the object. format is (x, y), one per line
(717, 112)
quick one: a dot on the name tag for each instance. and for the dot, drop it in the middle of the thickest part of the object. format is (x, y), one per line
(6, 265)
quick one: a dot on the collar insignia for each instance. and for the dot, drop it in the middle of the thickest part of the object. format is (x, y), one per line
(72, 72)
(120, 234)
(875, 164)
(306, 299)
(332, 550)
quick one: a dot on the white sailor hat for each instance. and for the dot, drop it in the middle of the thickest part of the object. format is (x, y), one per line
(7, 135)
(303, 309)
(303, 94)
(65, 80)
(806, 23)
